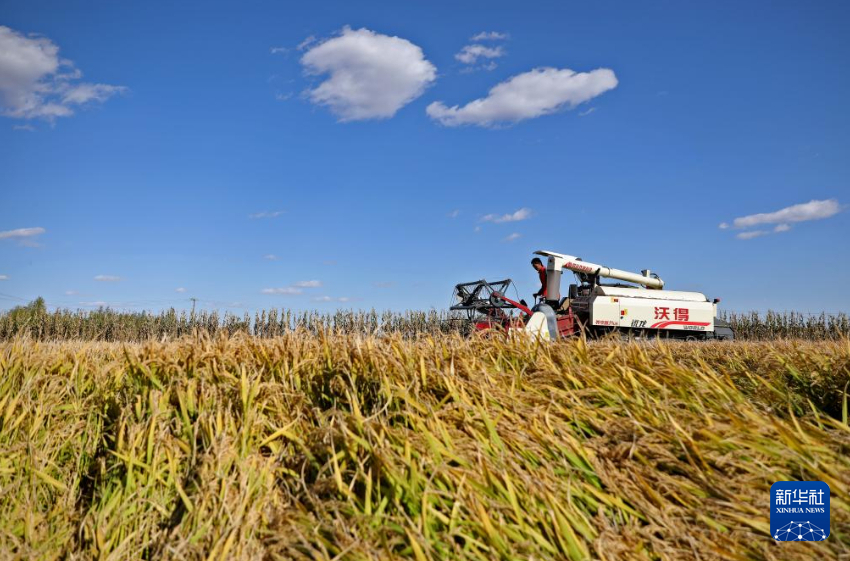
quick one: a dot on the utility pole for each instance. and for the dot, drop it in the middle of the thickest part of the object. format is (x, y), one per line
(193, 308)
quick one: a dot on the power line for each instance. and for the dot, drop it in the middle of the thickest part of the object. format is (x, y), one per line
(11, 297)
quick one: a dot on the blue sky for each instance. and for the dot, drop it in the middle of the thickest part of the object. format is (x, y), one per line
(181, 147)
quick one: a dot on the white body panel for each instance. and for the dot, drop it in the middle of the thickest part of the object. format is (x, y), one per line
(638, 308)
(537, 327)
(604, 312)
(654, 294)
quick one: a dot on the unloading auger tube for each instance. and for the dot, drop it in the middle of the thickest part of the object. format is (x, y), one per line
(558, 261)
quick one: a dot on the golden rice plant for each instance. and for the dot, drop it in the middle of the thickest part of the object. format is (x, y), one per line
(309, 445)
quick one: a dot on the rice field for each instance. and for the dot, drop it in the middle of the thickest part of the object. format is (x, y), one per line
(352, 446)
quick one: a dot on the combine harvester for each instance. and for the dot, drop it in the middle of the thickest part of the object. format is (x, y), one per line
(640, 309)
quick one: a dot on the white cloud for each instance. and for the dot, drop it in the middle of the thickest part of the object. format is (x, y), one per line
(512, 237)
(21, 233)
(107, 278)
(487, 66)
(28, 128)
(295, 288)
(521, 214)
(266, 214)
(36, 83)
(371, 76)
(181, 290)
(271, 257)
(278, 50)
(24, 236)
(782, 228)
(331, 299)
(586, 112)
(95, 304)
(470, 54)
(84, 93)
(282, 290)
(71, 292)
(306, 42)
(752, 234)
(541, 91)
(812, 210)
(4, 277)
(454, 214)
(489, 36)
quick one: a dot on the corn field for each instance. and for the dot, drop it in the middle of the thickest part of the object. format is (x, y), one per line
(108, 325)
(105, 324)
(775, 325)
(340, 446)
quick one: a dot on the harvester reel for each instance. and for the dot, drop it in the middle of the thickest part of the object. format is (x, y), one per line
(482, 300)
